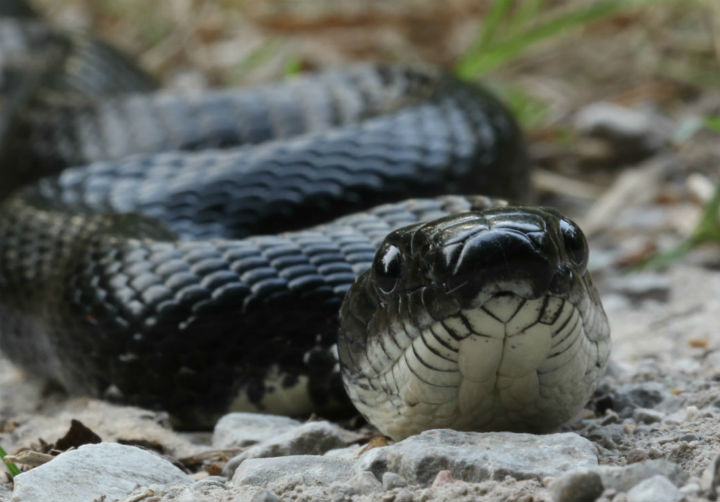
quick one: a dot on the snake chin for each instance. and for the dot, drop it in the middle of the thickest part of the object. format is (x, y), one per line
(510, 364)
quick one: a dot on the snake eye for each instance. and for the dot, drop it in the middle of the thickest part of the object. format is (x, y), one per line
(575, 244)
(387, 267)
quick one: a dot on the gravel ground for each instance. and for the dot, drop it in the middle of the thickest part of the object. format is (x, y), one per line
(636, 174)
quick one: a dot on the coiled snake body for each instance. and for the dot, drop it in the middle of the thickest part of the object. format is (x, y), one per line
(169, 269)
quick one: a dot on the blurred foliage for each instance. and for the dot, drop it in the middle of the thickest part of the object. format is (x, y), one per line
(707, 230)
(510, 31)
(11, 468)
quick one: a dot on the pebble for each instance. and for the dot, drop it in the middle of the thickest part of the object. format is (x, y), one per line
(404, 495)
(293, 469)
(639, 287)
(236, 430)
(312, 438)
(634, 134)
(655, 489)
(107, 470)
(710, 480)
(365, 482)
(576, 486)
(626, 398)
(647, 416)
(624, 478)
(391, 480)
(475, 457)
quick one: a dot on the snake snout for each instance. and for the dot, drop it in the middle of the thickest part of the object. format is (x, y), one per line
(525, 251)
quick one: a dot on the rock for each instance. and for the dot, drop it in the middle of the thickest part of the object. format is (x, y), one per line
(576, 486)
(639, 287)
(626, 398)
(236, 430)
(312, 438)
(710, 480)
(655, 489)
(624, 478)
(92, 471)
(404, 495)
(634, 134)
(294, 469)
(473, 456)
(365, 482)
(351, 452)
(646, 416)
(4, 494)
(391, 480)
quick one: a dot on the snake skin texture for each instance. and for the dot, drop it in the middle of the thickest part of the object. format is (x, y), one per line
(168, 256)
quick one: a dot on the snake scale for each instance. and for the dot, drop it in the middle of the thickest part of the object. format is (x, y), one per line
(185, 252)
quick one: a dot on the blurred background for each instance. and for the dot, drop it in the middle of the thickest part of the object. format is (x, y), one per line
(606, 90)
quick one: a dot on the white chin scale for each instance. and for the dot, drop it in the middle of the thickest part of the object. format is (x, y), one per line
(510, 364)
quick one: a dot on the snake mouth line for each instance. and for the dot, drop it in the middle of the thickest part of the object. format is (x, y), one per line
(486, 367)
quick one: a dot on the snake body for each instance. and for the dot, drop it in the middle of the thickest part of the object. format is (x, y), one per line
(187, 261)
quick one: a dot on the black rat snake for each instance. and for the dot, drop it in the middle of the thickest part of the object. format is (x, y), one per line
(169, 269)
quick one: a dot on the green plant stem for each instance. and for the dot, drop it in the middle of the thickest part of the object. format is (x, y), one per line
(12, 468)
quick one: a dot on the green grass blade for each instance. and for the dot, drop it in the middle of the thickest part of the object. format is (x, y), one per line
(713, 123)
(497, 14)
(525, 13)
(12, 468)
(477, 61)
(707, 230)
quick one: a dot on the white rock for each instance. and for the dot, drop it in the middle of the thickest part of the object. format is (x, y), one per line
(244, 429)
(298, 469)
(655, 489)
(475, 457)
(624, 478)
(365, 482)
(391, 480)
(312, 438)
(576, 486)
(92, 471)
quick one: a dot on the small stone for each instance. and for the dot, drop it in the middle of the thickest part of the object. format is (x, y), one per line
(636, 455)
(264, 496)
(391, 480)
(646, 416)
(236, 430)
(634, 134)
(576, 486)
(92, 471)
(404, 495)
(626, 398)
(710, 480)
(308, 469)
(476, 457)
(365, 482)
(654, 489)
(639, 287)
(312, 438)
(624, 478)
(443, 477)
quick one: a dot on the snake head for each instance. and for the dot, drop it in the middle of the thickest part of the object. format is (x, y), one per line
(482, 320)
